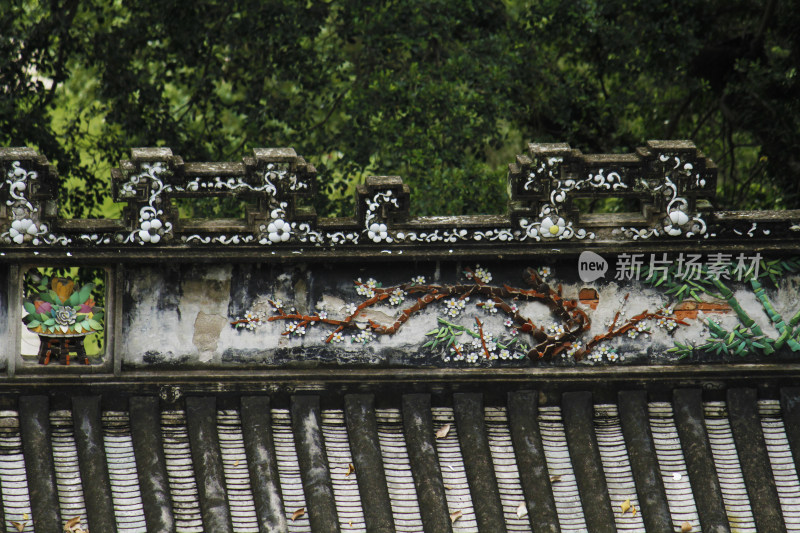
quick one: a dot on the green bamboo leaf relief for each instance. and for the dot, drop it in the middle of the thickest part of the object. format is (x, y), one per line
(432, 332)
(427, 344)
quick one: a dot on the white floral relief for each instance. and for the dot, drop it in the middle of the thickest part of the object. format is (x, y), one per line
(375, 228)
(26, 226)
(679, 221)
(152, 229)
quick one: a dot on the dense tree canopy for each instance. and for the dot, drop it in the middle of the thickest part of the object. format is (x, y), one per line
(440, 92)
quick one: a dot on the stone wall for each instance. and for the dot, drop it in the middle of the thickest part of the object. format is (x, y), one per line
(544, 285)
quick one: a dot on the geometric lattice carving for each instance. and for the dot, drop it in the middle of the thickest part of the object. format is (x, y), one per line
(668, 177)
(273, 179)
(672, 181)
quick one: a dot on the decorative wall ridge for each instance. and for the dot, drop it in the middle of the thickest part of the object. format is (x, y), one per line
(673, 182)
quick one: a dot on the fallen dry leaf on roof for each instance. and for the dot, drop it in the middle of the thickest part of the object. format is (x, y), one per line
(72, 523)
(633, 512)
(236, 462)
(686, 527)
(20, 527)
(298, 513)
(350, 470)
(443, 431)
(455, 516)
(522, 510)
(553, 479)
(625, 506)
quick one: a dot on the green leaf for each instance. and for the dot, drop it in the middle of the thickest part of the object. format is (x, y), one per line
(34, 324)
(73, 301)
(46, 297)
(78, 328)
(85, 292)
(50, 322)
(29, 307)
(94, 324)
(427, 344)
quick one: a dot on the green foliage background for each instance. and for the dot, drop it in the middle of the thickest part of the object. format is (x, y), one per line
(441, 92)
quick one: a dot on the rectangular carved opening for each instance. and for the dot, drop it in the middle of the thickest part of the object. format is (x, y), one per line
(608, 204)
(64, 316)
(213, 207)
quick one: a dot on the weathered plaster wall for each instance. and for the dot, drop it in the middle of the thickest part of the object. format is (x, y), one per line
(183, 314)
